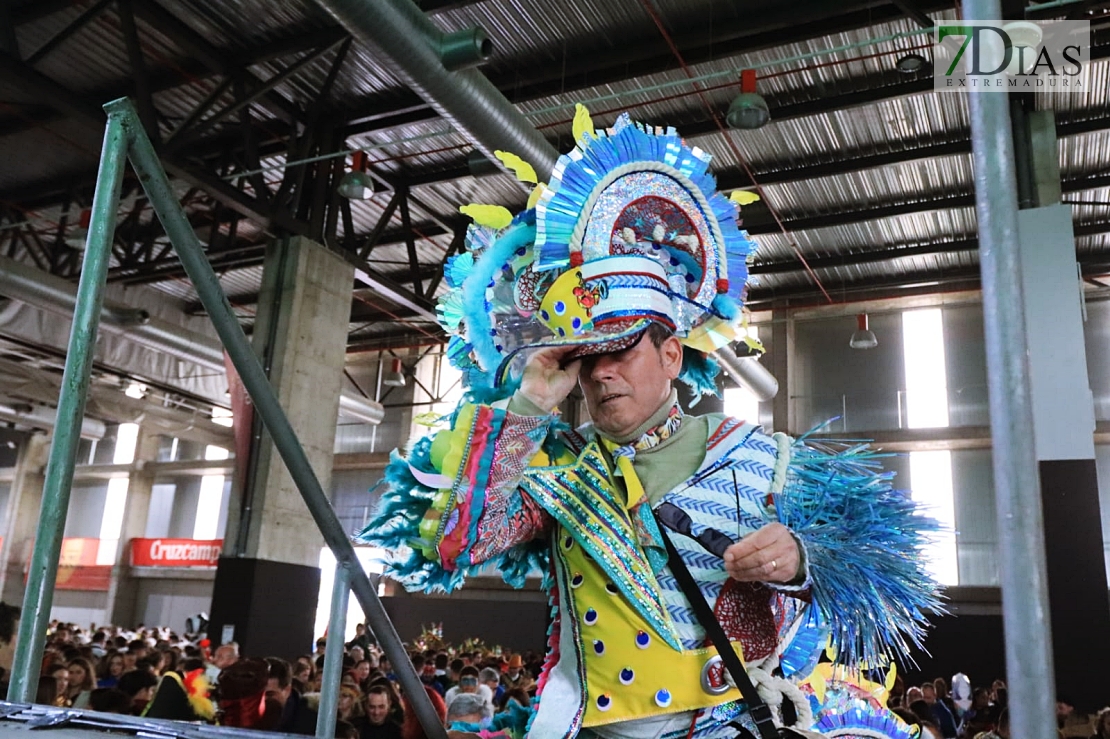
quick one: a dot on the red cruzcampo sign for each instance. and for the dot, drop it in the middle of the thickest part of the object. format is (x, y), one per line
(175, 552)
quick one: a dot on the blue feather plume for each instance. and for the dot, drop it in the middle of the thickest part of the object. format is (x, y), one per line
(863, 541)
(476, 309)
(699, 372)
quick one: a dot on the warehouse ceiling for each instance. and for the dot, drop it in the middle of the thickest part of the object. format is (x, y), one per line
(865, 173)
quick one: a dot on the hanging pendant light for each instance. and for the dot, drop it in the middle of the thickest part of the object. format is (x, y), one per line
(749, 109)
(357, 184)
(863, 337)
(395, 377)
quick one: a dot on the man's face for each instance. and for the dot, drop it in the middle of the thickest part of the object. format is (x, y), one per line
(624, 389)
(278, 693)
(129, 661)
(468, 684)
(143, 697)
(356, 654)
(377, 708)
(225, 657)
(928, 694)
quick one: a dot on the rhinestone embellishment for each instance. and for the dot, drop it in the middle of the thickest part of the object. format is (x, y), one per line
(663, 697)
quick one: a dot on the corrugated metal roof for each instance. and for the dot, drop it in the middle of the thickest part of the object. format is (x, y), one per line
(534, 37)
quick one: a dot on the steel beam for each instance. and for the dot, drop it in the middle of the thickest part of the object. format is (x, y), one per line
(39, 594)
(268, 409)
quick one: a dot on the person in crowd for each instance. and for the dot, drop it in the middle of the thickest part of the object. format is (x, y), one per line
(468, 712)
(469, 684)
(977, 719)
(97, 645)
(361, 672)
(305, 671)
(296, 717)
(109, 670)
(1001, 728)
(380, 723)
(349, 707)
(139, 686)
(491, 679)
(516, 676)
(396, 705)
(1102, 725)
(242, 696)
(82, 681)
(941, 716)
(411, 728)
(109, 700)
(225, 656)
(362, 639)
(59, 673)
(46, 694)
(940, 685)
(356, 654)
(427, 672)
(346, 730)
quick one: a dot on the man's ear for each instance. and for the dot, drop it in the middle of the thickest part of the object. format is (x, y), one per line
(670, 353)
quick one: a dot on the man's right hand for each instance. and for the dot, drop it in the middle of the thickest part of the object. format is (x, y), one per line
(546, 380)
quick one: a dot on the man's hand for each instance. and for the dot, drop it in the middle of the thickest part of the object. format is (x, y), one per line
(768, 555)
(546, 381)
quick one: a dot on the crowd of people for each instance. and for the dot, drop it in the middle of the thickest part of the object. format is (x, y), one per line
(157, 673)
(981, 713)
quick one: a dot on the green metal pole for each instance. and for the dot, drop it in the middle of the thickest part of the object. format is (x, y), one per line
(266, 405)
(333, 654)
(39, 596)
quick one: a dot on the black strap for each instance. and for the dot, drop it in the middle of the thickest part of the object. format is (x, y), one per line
(760, 711)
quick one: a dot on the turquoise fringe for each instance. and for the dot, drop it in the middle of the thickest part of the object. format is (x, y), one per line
(863, 539)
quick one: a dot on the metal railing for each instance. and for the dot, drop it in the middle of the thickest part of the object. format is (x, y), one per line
(125, 140)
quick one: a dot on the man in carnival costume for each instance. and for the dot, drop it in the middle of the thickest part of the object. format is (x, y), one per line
(625, 273)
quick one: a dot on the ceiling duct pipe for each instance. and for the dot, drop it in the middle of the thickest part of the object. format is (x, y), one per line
(398, 31)
(55, 295)
(464, 49)
(42, 417)
(401, 33)
(749, 373)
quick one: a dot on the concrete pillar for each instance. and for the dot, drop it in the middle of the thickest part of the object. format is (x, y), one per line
(24, 504)
(267, 582)
(782, 367)
(1063, 428)
(123, 589)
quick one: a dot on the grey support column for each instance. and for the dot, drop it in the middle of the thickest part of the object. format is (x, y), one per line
(123, 590)
(782, 361)
(24, 503)
(267, 582)
(1063, 428)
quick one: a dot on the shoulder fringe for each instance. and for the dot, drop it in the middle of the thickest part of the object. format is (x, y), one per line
(864, 540)
(414, 560)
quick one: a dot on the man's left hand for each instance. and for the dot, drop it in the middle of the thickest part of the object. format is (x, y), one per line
(767, 555)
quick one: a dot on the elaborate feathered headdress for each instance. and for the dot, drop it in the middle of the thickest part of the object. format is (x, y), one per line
(630, 230)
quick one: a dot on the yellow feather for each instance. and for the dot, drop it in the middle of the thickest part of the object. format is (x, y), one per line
(583, 128)
(522, 169)
(537, 193)
(743, 197)
(491, 216)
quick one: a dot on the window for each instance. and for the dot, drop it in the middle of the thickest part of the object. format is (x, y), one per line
(927, 407)
(115, 503)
